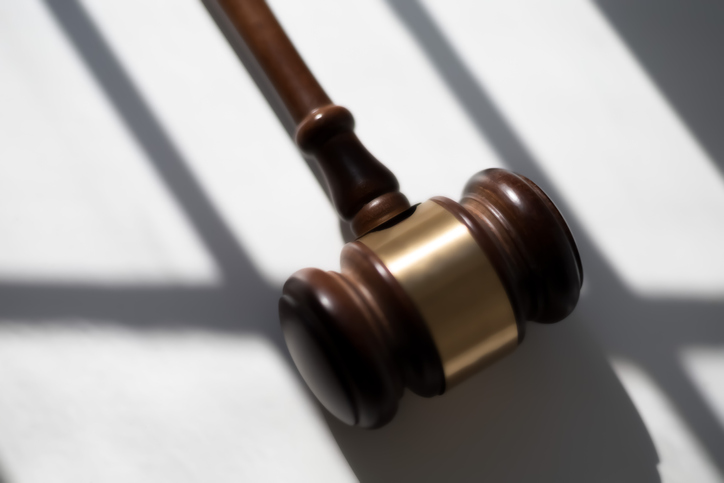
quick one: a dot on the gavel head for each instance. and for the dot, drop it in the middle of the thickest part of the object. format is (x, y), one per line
(430, 297)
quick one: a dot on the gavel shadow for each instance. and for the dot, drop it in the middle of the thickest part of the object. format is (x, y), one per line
(560, 426)
(553, 411)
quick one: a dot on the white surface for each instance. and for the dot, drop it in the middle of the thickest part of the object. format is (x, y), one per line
(705, 366)
(82, 404)
(682, 457)
(80, 202)
(606, 137)
(87, 400)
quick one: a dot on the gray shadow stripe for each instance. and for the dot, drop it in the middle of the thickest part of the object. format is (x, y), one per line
(147, 130)
(635, 326)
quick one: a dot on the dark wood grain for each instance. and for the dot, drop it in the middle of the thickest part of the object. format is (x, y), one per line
(363, 191)
(357, 336)
(533, 250)
(292, 80)
(357, 339)
(368, 332)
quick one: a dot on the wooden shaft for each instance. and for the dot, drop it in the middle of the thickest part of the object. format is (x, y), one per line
(293, 81)
(364, 192)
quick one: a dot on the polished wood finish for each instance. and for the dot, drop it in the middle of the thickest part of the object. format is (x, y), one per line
(357, 339)
(364, 192)
(294, 83)
(532, 246)
(361, 336)
(369, 335)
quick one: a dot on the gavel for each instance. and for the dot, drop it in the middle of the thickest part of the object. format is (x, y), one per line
(427, 294)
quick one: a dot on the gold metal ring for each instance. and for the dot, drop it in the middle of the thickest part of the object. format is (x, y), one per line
(452, 283)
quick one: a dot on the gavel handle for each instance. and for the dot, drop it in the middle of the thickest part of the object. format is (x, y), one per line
(364, 192)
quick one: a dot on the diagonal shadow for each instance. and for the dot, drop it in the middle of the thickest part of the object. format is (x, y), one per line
(649, 331)
(242, 290)
(532, 374)
(679, 44)
(216, 12)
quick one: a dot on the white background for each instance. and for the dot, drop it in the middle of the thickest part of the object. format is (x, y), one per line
(151, 206)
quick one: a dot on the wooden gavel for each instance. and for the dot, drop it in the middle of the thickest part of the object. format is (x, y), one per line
(427, 294)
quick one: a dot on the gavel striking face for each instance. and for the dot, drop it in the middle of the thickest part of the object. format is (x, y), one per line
(427, 295)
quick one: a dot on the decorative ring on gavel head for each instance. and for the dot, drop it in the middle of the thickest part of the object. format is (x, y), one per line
(430, 297)
(427, 295)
